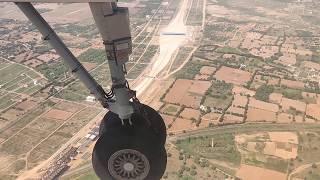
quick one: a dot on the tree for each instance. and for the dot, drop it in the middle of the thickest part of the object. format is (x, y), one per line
(193, 172)
(187, 169)
(263, 92)
(314, 166)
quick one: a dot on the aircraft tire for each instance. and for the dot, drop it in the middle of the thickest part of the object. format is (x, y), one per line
(143, 113)
(129, 153)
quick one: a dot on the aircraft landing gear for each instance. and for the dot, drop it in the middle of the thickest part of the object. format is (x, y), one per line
(131, 151)
(133, 135)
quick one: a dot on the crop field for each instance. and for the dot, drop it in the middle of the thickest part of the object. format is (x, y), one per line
(55, 71)
(234, 76)
(191, 69)
(39, 133)
(195, 13)
(16, 83)
(187, 92)
(77, 92)
(136, 70)
(219, 147)
(18, 78)
(246, 172)
(219, 95)
(181, 56)
(201, 144)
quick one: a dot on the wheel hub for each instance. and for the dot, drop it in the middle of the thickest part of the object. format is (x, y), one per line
(128, 164)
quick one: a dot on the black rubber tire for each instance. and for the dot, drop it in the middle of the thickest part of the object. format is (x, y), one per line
(136, 137)
(111, 120)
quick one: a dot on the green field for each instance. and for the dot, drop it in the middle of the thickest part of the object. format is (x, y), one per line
(259, 160)
(196, 13)
(223, 148)
(219, 95)
(190, 70)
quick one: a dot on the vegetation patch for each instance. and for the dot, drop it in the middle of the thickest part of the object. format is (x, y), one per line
(190, 70)
(272, 163)
(290, 93)
(93, 56)
(220, 147)
(263, 92)
(53, 71)
(219, 95)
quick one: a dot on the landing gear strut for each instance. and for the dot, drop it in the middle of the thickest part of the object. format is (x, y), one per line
(132, 135)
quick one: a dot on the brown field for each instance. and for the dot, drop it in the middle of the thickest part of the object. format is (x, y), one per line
(180, 125)
(241, 90)
(156, 105)
(236, 110)
(199, 87)
(311, 65)
(284, 118)
(170, 109)
(281, 150)
(263, 105)
(213, 117)
(167, 119)
(77, 52)
(292, 84)
(288, 59)
(12, 114)
(259, 115)
(240, 101)
(298, 119)
(68, 106)
(309, 120)
(313, 110)
(285, 137)
(33, 63)
(187, 92)
(205, 123)
(273, 81)
(27, 105)
(246, 173)
(298, 105)
(231, 119)
(275, 98)
(89, 66)
(189, 113)
(234, 76)
(285, 145)
(201, 77)
(309, 95)
(279, 144)
(58, 114)
(207, 70)
(47, 57)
